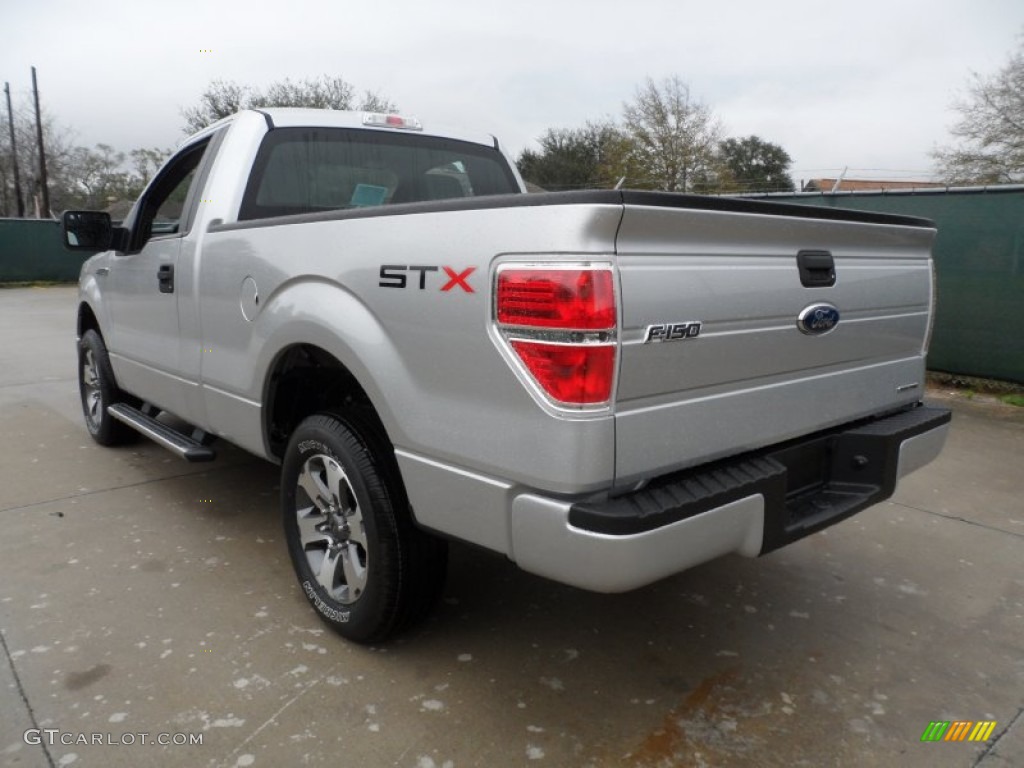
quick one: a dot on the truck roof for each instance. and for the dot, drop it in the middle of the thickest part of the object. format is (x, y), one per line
(292, 117)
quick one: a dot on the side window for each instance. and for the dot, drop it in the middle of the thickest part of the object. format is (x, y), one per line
(308, 170)
(166, 204)
(167, 219)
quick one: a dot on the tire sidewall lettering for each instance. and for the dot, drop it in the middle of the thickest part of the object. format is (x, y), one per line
(315, 446)
(331, 614)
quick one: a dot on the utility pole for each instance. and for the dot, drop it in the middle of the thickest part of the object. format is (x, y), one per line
(14, 154)
(42, 153)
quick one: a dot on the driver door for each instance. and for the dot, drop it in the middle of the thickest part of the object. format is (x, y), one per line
(144, 342)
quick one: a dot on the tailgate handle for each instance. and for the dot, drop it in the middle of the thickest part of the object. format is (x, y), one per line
(817, 269)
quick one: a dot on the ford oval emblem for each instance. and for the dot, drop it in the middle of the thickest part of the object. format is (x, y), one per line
(817, 319)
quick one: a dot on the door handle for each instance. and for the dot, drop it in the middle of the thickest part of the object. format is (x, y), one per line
(165, 277)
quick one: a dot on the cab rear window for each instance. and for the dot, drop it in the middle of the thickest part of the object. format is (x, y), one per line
(307, 170)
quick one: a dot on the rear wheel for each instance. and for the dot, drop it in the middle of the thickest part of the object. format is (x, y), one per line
(98, 390)
(362, 564)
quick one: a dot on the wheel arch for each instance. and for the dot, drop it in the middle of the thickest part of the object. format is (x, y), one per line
(87, 320)
(305, 379)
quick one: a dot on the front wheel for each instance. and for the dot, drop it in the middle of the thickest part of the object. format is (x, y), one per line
(362, 564)
(98, 390)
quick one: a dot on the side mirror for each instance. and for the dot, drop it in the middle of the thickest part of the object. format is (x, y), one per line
(87, 230)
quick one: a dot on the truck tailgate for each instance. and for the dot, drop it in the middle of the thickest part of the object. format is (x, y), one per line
(751, 377)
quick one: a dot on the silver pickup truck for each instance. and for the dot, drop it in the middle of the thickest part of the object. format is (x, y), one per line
(606, 386)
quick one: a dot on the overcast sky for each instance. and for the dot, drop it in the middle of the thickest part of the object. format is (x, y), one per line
(864, 84)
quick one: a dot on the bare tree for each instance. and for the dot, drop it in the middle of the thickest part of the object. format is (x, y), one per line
(220, 99)
(146, 162)
(59, 152)
(675, 137)
(97, 175)
(78, 177)
(223, 98)
(990, 129)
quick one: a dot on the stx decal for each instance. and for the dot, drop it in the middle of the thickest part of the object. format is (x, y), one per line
(458, 279)
(672, 331)
(397, 276)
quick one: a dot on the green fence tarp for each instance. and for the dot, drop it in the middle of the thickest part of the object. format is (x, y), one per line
(31, 250)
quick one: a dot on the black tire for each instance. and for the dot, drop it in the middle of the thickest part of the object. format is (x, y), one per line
(366, 569)
(98, 390)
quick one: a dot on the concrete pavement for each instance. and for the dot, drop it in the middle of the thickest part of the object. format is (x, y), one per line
(143, 595)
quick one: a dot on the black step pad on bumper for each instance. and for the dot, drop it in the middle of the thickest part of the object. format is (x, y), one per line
(807, 484)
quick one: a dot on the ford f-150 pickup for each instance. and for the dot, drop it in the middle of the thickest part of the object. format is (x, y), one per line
(607, 387)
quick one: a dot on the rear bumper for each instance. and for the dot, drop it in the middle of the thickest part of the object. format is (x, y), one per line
(750, 504)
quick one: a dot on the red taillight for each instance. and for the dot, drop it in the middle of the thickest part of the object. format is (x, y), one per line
(561, 323)
(580, 299)
(570, 373)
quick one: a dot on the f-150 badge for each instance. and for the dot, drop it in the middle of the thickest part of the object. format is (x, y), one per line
(672, 331)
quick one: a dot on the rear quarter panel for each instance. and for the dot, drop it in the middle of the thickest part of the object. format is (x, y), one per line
(424, 356)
